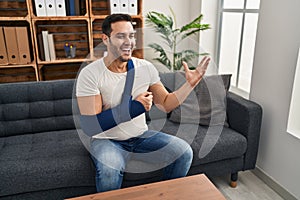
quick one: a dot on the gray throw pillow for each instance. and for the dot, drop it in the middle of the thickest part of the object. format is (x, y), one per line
(206, 105)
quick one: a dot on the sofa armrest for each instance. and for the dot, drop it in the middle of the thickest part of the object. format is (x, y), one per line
(245, 116)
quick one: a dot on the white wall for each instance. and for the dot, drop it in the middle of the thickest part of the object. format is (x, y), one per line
(185, 11)
(278, 41)
(208, 38)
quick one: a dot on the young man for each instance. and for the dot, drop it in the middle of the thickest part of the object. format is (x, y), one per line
(100, 88)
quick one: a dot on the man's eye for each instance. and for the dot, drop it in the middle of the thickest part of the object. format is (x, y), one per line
(120, 36)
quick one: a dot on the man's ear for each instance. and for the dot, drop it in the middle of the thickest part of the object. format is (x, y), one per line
(105, 39)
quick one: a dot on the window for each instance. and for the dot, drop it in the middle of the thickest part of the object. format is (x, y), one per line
(293, 126)
(236, 40)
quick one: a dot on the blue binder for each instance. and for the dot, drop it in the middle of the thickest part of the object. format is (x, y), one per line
(72, 7)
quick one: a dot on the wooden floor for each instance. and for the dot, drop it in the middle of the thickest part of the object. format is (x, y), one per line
(250, 187)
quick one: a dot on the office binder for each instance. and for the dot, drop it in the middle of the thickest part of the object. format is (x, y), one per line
(72, 8)
(132, 7)
(41, 47)
(82, 7)
(77, 7)
(114, 6)
(60, 6)
(124, 6)
(50, 7)
(51, 47)
(11, 45)
(3, 53)
(46, 45)
(40, 7)
(23, 45)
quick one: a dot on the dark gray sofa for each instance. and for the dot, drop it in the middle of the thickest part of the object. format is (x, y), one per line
(42, 156)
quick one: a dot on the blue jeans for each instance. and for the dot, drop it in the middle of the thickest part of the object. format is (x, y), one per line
(111, 156)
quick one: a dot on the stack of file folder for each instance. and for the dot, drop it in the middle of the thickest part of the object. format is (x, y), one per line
(60, 7)
(14, 45)
(46, 46)
(124, 6)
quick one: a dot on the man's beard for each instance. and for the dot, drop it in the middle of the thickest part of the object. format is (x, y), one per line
(116, 52)
(124, 59)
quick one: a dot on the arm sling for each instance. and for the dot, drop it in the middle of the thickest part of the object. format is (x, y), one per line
(125, 111)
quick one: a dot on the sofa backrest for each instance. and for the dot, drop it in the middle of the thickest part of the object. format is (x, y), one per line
(33, 107)
(168, 79)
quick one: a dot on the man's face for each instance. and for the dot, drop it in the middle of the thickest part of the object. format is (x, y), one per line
(121, 41)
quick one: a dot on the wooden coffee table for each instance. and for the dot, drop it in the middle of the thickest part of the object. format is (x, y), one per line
(196, 187)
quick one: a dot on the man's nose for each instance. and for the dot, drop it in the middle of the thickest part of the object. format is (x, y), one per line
(127, 40)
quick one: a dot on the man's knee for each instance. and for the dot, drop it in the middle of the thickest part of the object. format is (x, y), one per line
(106, 161)
(108, 172)
(188, 154)
(185, 150)
(109, 156)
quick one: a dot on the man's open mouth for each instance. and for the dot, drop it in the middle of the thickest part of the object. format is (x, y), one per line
(126, 50)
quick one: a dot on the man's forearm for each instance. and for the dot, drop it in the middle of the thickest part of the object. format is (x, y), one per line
(95, 124)
(176, 98)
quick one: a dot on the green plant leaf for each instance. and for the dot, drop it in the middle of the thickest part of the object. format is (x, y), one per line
(172, 36)
(202, 27)
(192, 24)
(194, 27)
(185, 55)
(163, 58)
(162, 24)
(160, 20)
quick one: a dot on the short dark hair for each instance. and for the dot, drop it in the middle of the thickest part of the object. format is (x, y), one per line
(106, 25)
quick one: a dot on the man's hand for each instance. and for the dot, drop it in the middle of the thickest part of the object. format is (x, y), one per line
(146, 99)
(193, 77)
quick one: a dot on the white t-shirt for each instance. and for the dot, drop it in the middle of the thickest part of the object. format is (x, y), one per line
(96, 79)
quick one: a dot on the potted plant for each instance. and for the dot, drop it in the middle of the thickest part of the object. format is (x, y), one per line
(172, 36)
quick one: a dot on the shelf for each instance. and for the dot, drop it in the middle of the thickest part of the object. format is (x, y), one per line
(73, 32)
(18, 73)
(10, 9)
(18, 65)
(60, 18)
(101, 8)
(82, 30)
(98, 17)
(95, 17)
(15, 18)
(60, 71)
(63, 61)
(20, 55)
(81, 10)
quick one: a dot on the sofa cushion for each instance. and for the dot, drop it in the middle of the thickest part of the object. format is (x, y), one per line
(28, 126)
(206, 105)
(168, 80)
(33, 107)
(209, 144)
(36, 162)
